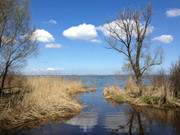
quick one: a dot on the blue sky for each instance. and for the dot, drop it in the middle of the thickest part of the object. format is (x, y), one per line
(70, 42)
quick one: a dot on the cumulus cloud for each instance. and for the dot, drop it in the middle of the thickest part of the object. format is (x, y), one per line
(116, 26)
(53, 45)
(42, 35)
(164, 39)
(82, 32)
(173, 12)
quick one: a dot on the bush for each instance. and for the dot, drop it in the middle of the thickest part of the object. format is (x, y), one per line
(175, 79)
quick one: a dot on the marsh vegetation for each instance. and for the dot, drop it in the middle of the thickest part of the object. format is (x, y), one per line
(162, 92)
(44, 99)
(30, 101)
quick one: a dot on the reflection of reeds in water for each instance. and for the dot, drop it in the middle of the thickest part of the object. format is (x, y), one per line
(113, 121)
(86, 121)
(141, 119)
(125, 123)
(164, 116)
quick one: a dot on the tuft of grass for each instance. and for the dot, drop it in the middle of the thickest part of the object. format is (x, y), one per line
(119, 99)
(111, 92)
(50, 98)
(114, 93)
(152, 100)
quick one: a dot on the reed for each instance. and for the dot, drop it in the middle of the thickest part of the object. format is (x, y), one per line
(114, 93)
(50, 98)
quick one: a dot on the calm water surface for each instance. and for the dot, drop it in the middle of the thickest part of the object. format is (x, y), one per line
(100, 117)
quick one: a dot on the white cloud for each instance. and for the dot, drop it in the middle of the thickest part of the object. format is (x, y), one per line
(50, 69)
(164, 39)
(173, 12)
(54, 69)
(42, 35)
(116, 26)
(82, 32)
(96, 41)
(52, 21)
(53, 45)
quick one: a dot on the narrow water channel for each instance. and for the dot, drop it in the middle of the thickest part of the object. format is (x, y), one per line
(100, 117)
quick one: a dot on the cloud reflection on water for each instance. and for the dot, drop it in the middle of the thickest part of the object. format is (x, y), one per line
(86, 121)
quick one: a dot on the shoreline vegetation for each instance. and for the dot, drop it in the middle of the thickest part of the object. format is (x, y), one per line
(44, 99)
(128, 36)
(151, 96)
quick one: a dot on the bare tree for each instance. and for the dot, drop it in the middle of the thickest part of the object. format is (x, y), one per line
(15, 37)
(128, 36)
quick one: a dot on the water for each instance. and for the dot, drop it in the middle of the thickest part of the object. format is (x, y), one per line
(100, 117)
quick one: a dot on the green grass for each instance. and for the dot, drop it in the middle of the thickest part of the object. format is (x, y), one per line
(150, 99)
(119, 99)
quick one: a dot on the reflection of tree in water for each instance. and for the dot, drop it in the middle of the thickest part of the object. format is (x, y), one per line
(169, 117)
(144, 120)
(130, 123)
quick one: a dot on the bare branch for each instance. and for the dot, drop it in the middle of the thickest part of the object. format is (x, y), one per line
(15, 32)
(127, 36)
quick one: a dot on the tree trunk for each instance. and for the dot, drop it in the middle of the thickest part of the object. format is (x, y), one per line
(4, 75)
(138, 77)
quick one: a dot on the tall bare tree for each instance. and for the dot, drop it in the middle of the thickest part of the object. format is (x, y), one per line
(15, 37)
(128, 36)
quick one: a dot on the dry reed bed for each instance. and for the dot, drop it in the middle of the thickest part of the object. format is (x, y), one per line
(50, 99)
(151, 96)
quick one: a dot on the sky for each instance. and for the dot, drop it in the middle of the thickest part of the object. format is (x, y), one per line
(71, 41)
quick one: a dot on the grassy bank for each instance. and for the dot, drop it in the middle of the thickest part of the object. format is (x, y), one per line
(46, 99)
(152, 96)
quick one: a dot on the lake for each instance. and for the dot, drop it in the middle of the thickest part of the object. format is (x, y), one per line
(100, 117)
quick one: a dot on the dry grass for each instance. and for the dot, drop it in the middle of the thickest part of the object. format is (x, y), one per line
(131, 88)
(156, 95)
(50, 99)
(175, 79)
(114, 93)
(111, 91)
